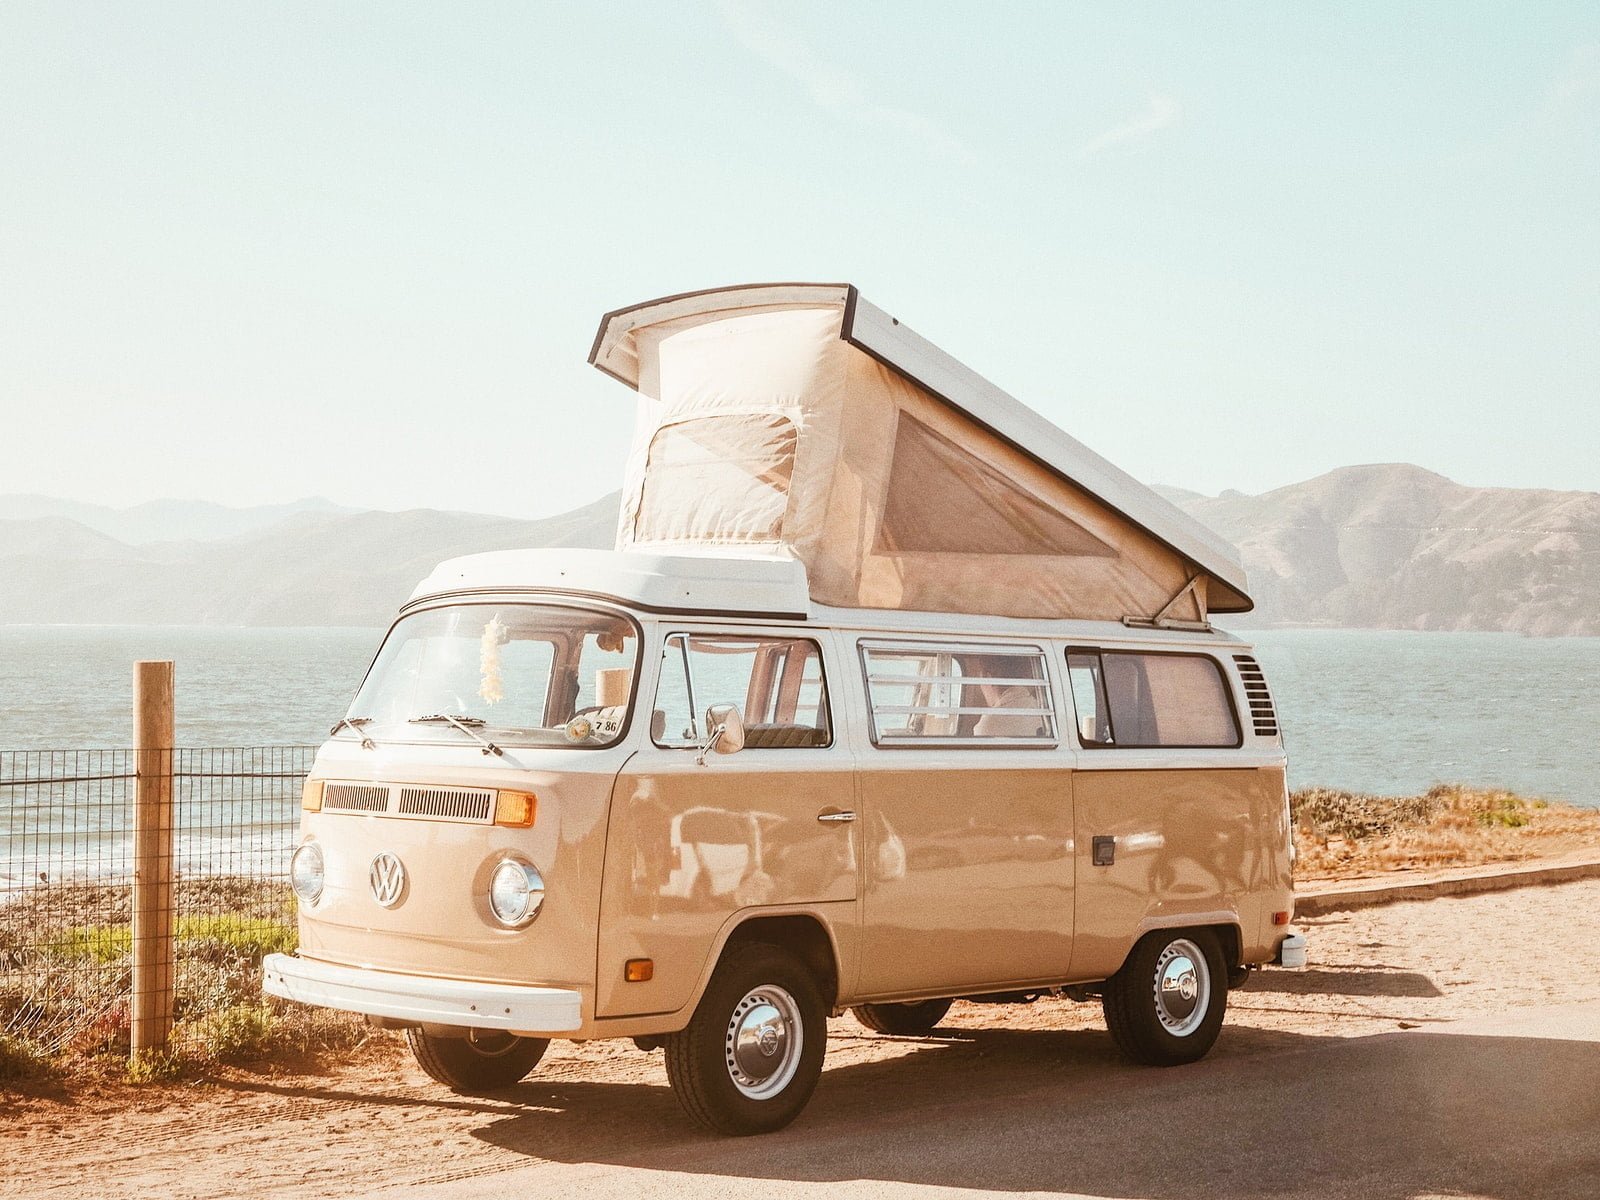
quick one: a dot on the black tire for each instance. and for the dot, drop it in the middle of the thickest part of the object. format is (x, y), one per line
(756, 988)
(903, 1020)
(484, 1061)
(1163, 1027)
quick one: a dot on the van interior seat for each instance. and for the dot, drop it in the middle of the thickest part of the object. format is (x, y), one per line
(782, 737)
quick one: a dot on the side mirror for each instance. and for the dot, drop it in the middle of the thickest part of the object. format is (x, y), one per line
(726, 728)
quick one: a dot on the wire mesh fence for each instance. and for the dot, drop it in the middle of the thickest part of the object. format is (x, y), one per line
(67, 887)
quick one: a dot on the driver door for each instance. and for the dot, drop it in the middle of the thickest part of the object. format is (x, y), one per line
(693, 844)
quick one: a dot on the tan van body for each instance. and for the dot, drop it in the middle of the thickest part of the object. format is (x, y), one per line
(968, 870)
(891, 692)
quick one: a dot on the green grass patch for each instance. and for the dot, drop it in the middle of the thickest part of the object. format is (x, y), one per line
(1502, 810)
(155, 1066)
(110, 943)
(238, 1033)
(18, 1060)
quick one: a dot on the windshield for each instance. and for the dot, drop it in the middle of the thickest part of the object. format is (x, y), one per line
(519, 674)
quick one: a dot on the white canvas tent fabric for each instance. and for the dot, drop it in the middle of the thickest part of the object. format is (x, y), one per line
(796, 420)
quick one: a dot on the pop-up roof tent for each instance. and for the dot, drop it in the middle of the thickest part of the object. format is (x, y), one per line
(799, 420)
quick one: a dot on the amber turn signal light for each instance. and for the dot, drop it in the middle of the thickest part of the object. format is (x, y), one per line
(516, 809)
(311, 796)
(1280, 918)
(639, 970)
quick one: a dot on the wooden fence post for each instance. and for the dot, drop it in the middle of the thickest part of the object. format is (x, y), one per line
(152, 857)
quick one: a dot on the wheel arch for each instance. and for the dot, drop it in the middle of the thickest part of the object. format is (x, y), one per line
(803, 933)
(1225, 925)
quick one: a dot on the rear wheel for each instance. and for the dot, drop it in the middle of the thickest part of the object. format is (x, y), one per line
(483, 1061)
(905, 1020)
(1165, 1006)
(752, 1053)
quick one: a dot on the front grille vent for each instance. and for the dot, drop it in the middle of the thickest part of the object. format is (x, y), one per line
(356, 797)
(447, 804)
(1262, 714)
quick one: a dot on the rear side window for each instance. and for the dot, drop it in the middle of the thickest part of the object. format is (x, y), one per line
(967, 695)
(1134, 700)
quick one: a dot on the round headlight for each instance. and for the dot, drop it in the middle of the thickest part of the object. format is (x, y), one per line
(516, 890)
(306, 873)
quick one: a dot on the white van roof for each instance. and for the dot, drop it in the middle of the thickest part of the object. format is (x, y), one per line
(622, 350)
(712, 584)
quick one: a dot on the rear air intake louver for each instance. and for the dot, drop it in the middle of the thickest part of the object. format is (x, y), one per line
(448, 804)
(355, 797)
(1262, 714)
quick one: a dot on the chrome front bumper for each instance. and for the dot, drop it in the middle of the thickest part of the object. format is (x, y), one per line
(421, 998)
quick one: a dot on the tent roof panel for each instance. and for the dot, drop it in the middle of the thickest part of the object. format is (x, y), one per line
(876, 333)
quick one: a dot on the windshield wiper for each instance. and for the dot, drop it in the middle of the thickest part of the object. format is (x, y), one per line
(463, 723)
(354, 724)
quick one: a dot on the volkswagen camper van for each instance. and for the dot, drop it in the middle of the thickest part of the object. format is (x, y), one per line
(890, 694)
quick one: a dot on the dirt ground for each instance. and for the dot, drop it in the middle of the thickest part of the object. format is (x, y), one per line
(377, 1123)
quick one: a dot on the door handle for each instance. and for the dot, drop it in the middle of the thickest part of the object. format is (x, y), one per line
(834, 816)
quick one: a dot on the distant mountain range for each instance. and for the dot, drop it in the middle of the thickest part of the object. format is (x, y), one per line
(163, 520)
(1394, 546)
(1388, 546)
(317, 565)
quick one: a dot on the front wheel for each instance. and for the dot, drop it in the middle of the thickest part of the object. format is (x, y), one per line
(1165, 1006)
(904, 1020)
(752, 1053)
(483, 1061)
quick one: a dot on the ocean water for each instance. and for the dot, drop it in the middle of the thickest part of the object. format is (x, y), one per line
(1394, 712)
(71, 686)
(1386, 712)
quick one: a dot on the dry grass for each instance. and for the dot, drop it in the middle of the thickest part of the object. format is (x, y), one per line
(65, 965)
(1344, 835)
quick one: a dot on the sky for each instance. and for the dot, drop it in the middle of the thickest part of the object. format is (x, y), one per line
(250, 253)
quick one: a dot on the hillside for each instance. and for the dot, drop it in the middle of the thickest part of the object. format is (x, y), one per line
(1387, 546)
(161, 520)
(307, 569)
(1394, 546)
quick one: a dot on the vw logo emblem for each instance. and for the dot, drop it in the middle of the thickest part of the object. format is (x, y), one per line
(387, 878)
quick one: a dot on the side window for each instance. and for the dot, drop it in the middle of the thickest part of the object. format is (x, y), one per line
(1137, 700)
(958, 695)
(776, 683)
(1089, 699)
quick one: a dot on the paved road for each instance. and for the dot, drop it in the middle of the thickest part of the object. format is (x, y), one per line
(1506, 1107)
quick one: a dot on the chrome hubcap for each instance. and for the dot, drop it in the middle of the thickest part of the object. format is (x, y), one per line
(490, 1043)
(762, 1047)
(1182, 987)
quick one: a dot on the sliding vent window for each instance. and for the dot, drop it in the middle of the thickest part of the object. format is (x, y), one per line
(718, 479)
(1089, 699)
(958, 695)
(776, 684)
(1151, 700)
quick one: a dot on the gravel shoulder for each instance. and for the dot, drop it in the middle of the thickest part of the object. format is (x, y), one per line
(377, 1123)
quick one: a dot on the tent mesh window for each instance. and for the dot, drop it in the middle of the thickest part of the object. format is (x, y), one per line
(944, 499)
(723, 478)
